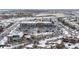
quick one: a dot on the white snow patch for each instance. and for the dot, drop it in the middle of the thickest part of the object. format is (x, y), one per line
(42, 43)
(59, 41)
(3, 41)
(30, 45)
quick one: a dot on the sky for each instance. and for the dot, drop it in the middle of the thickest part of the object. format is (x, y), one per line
(39, 4)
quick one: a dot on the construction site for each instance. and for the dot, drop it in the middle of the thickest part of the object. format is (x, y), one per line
(42, 29)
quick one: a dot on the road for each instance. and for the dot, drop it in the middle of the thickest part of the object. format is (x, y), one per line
(7, 31)
(15, 25)
(68, 29)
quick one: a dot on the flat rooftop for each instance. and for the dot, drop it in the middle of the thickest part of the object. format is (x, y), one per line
(35, 22)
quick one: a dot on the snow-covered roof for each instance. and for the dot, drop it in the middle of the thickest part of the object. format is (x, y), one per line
(20, 34)
(46, 33)
(4, 23)
(35, 22)
(48, 14)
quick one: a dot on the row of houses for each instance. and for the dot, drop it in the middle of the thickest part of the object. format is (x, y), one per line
(72, 25)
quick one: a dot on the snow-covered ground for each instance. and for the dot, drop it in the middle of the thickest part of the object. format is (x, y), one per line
(71, 46)
(3, 41)
(42, 43)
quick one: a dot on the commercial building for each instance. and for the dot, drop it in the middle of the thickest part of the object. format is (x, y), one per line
(15, 36)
